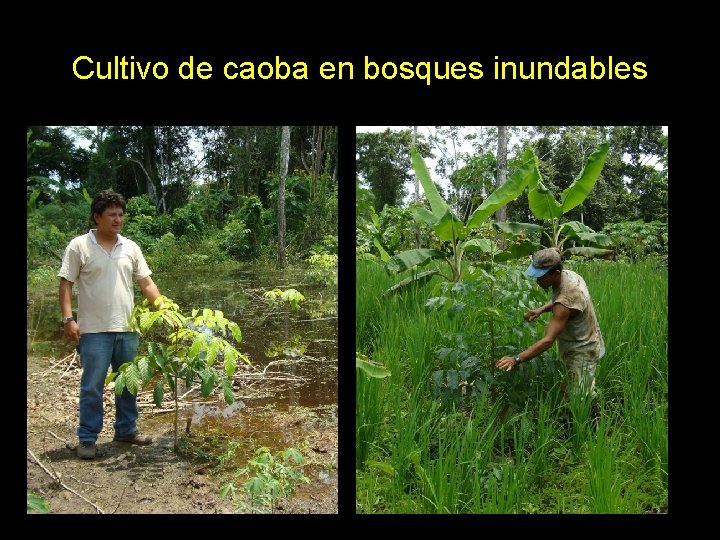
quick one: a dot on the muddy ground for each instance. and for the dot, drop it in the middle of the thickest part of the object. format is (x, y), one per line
(127, 479)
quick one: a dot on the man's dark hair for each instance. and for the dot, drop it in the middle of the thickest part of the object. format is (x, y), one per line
(556, 267)
(104, 199)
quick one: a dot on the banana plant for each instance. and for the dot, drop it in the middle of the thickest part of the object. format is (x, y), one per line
(545, 207)
(454, 232)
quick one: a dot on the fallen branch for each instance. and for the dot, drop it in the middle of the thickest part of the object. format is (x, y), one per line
(58, 438)
(54, 477)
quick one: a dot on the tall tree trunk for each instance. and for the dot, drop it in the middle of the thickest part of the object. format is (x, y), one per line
(417, 194)
(149, 142)
(501, 213)
(284, 159)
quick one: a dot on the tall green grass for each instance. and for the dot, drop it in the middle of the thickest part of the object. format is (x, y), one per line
(415, 456)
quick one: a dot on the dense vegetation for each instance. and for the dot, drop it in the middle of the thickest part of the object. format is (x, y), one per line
(438, 428)
(196, 195)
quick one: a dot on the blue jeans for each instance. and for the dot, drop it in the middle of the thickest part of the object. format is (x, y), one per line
(98, 351)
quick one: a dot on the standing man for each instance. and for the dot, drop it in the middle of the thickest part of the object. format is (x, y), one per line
(104, 264)
(573, 323)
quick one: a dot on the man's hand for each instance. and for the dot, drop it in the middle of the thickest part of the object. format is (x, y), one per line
(72, 331)
(532, 315)
(506, 363)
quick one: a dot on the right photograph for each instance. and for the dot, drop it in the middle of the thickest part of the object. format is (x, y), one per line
(511, 320)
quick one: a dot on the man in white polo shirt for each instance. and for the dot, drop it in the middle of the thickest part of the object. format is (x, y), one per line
(104, 265)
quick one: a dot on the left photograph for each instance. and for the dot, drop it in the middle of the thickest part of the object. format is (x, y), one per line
(182, 336)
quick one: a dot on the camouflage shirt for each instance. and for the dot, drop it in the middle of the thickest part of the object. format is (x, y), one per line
(581, 339)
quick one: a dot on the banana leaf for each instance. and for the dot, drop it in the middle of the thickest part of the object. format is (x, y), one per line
(437, 203)
(411, 258)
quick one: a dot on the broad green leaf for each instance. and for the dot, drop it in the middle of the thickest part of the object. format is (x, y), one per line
(235, 331)
(228, 392)
(384, 255)
(132, 379)
(419, 278)
(578, 191)
(574, 230)
(197, 345)
(516, 229)
(482, 244)
(119, 384)
(230, 355)
(158, 393)
(542, 203)
(372, 369)
(589, 252)
(509, 191)
(423, 215)
(411, 258)
(37, 504)
(208, 378)
(515, 251)
(144, 369)
(110, 377)
(437, 203)
(212, 351)
(382, 466)
(170, 379)
(450, 228)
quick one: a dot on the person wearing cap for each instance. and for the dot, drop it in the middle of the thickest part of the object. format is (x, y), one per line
(573, 323)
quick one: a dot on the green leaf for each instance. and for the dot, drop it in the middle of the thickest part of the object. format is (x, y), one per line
(517, 229)
(228, 392)
(578, 191)
(158, 393)
(450, 228)
(37, 504)
(208, 377)
(119, 384)
(382, 466)
(482, 244)
(424, 216)
(371, 368)
(235, 331)
(197, 344)
(509, 191)
(144, 369)
(516, 251)
(230, 355)
(420, 278)
(574, 230)
(384, 255)
(414, 257)
(437, 203)
(132, 379)
(542, 203)
(212, 351)
(589, 252)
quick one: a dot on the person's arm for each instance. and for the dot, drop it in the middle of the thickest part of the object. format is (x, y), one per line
(535, 313)
(149, 289)
(560, 317)
(71, 329)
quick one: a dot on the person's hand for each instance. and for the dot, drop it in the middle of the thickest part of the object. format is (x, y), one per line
(506, 363)
(532, 315)
(72, 331)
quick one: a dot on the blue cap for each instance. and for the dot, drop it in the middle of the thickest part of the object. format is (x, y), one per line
(542, 262)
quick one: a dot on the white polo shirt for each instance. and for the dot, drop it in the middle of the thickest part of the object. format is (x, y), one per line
(104, 280)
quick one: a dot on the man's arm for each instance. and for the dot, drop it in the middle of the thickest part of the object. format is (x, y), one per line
(535, 313)
(149, 289)
(560, 317)
(71, 329)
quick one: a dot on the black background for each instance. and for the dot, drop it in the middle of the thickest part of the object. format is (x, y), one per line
(45, 92)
